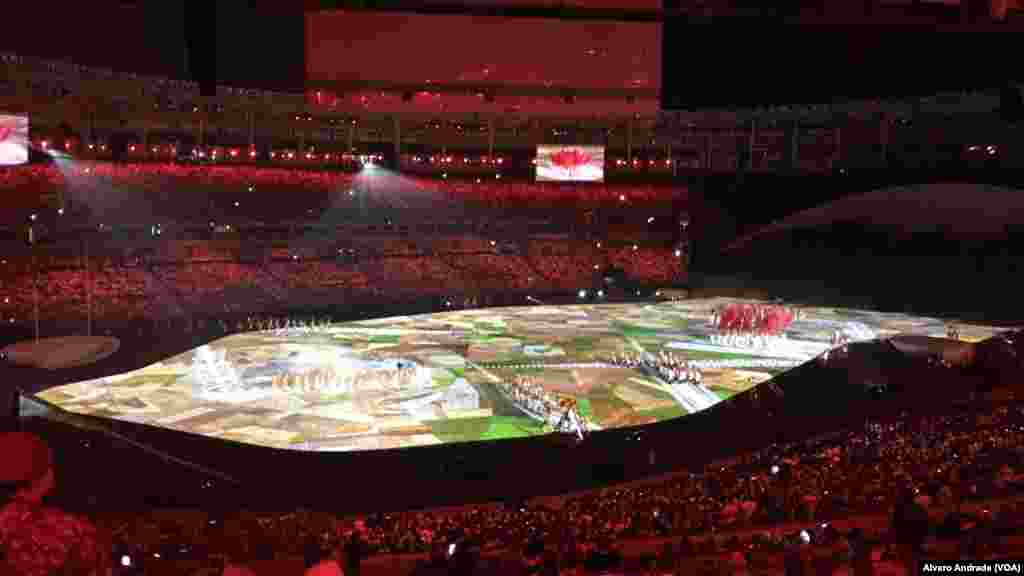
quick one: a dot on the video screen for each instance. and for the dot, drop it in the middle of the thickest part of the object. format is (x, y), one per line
(478, 375)
(13, 140)
(570, 163)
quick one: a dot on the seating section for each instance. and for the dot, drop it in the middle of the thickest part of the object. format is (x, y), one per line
(744, 515)
(211, 279)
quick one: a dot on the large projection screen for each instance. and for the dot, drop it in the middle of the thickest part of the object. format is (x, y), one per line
(13, 140)
(570, 163)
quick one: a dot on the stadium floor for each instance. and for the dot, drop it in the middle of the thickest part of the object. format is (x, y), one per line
(408, 381)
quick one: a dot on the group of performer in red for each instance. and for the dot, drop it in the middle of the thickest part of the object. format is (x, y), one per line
(755, 319)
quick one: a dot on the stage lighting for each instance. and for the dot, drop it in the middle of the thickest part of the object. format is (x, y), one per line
(582, 294)
(679, 253)
(236, 203)
(497, 176)
(650, 220)
(622, 198)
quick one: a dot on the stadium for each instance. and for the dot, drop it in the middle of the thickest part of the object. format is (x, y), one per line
(503, 310)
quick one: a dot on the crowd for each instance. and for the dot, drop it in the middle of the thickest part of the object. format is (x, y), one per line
(131, 287)
(122, 193)
(949, 485)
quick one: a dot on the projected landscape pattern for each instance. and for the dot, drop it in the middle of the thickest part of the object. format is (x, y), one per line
(420, 380)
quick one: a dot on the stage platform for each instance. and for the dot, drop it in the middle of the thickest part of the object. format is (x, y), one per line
(410, 381)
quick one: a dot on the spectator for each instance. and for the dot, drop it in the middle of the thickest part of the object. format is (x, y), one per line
(320, 564)
(910, 527)
(355, 549)
(236, 562)
(38, 540)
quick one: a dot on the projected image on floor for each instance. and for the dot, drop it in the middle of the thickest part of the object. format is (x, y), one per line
(13, 140)
(570, 164)
(479, 374)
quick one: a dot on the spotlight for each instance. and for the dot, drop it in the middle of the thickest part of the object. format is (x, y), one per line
(650, 220)
(622, 197)
(582, 294)
(679, 253)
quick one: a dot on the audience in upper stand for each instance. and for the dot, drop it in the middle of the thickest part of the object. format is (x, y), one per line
(132, 288)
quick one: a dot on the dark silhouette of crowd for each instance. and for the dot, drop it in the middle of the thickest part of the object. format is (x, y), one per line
(880, 496)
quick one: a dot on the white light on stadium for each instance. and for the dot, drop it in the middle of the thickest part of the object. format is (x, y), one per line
(45, 144)
(32, 217)
(497, 176)
(444, 175)
(635, 247)
(679, 253)
(250, 188)
(91, 146)
(477, 180)
(650, 220)
(236, 203)
(598, 244)
(582, 294)
(60, 211)
(600, 293)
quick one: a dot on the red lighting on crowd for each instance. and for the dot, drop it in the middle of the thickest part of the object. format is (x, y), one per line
(252, 154)
(234, 153)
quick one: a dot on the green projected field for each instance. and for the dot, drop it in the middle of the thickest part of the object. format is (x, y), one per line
(413, 381)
